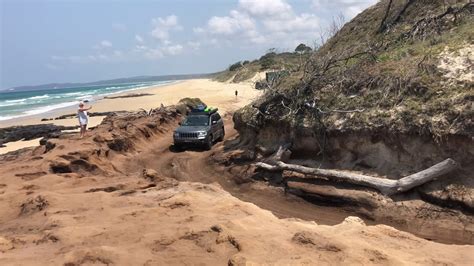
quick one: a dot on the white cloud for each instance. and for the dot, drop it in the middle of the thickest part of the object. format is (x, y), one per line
(234, 23)
(295, 23)
(154, 54)
(103, 57)
(84, 59)
(198, 30)
(141, 47)
(119, 27)
(266, 8)
(105, 44)
(194, 45)
(349, 8)
(163, 26)
(261, 22)
(169, 21)
(139, 38)
(172, 49)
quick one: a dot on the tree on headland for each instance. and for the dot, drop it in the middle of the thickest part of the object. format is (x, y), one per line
(235, 66)
(302, 49)
(267, 61)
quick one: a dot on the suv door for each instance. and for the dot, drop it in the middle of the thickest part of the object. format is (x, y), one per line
(218, 126)
(215, 125)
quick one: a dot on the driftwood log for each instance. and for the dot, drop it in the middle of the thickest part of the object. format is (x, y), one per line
(386, 186)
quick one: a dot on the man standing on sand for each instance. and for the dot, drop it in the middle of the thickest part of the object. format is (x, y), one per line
(236, 93)
(83, 118)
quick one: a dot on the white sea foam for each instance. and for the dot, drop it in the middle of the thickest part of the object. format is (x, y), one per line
(39, 110)
(84, 97)
(39, 97)
(5, 104)
(2, 118)
(72, 93)
(112, 88)
(16, 101)
(48, 108)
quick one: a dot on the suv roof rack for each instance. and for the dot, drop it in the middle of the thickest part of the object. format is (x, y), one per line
(203, 112)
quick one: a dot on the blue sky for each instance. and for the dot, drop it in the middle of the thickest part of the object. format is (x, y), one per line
(44, 41)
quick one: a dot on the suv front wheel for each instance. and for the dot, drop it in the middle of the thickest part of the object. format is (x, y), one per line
(209, 142)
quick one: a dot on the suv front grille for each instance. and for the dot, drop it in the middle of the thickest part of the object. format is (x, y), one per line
(188, 135)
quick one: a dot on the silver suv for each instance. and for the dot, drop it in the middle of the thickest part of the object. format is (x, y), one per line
(201, 128)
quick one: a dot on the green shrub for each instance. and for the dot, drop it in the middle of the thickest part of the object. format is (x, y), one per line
(235, 66)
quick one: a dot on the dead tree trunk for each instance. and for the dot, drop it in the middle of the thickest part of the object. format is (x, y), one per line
(382, 26)
(386, 186)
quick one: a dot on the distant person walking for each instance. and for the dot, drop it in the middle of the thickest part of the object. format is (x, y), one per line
(236, 93)
(83, 118)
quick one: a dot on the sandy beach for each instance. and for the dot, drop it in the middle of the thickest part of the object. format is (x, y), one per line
(216, 94)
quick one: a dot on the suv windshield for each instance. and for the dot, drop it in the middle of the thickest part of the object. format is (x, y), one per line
(196, 120)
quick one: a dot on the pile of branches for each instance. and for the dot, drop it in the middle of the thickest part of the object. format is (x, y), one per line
(428, 26)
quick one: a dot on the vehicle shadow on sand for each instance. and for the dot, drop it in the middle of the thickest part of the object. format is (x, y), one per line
(172, 148)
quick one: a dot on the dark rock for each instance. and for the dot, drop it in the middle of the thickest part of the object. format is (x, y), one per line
(65, 116)
(43, 141)
(120, 144)
(49, 146)
(30, 132)
(60, 167)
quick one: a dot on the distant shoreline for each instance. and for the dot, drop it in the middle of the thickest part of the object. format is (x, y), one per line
(108, 82)
(71, 97)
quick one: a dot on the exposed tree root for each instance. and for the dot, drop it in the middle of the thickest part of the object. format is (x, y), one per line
(385, 186)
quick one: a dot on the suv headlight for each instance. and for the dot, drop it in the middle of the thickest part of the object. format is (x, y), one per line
(202, 134)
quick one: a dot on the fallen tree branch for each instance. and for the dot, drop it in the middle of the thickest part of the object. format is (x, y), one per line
(340, 111)
(281, 155)
(386, 186)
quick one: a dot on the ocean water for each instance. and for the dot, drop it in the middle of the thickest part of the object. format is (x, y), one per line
(14, 104)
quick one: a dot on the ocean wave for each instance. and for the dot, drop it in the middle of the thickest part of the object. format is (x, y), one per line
(2, 118)
(16, 101)
(85, 97)
(5, 104)
(39, 97)
(72, 93)
(39, 110)
(134, 88)
(48, 108)
(112, 88)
